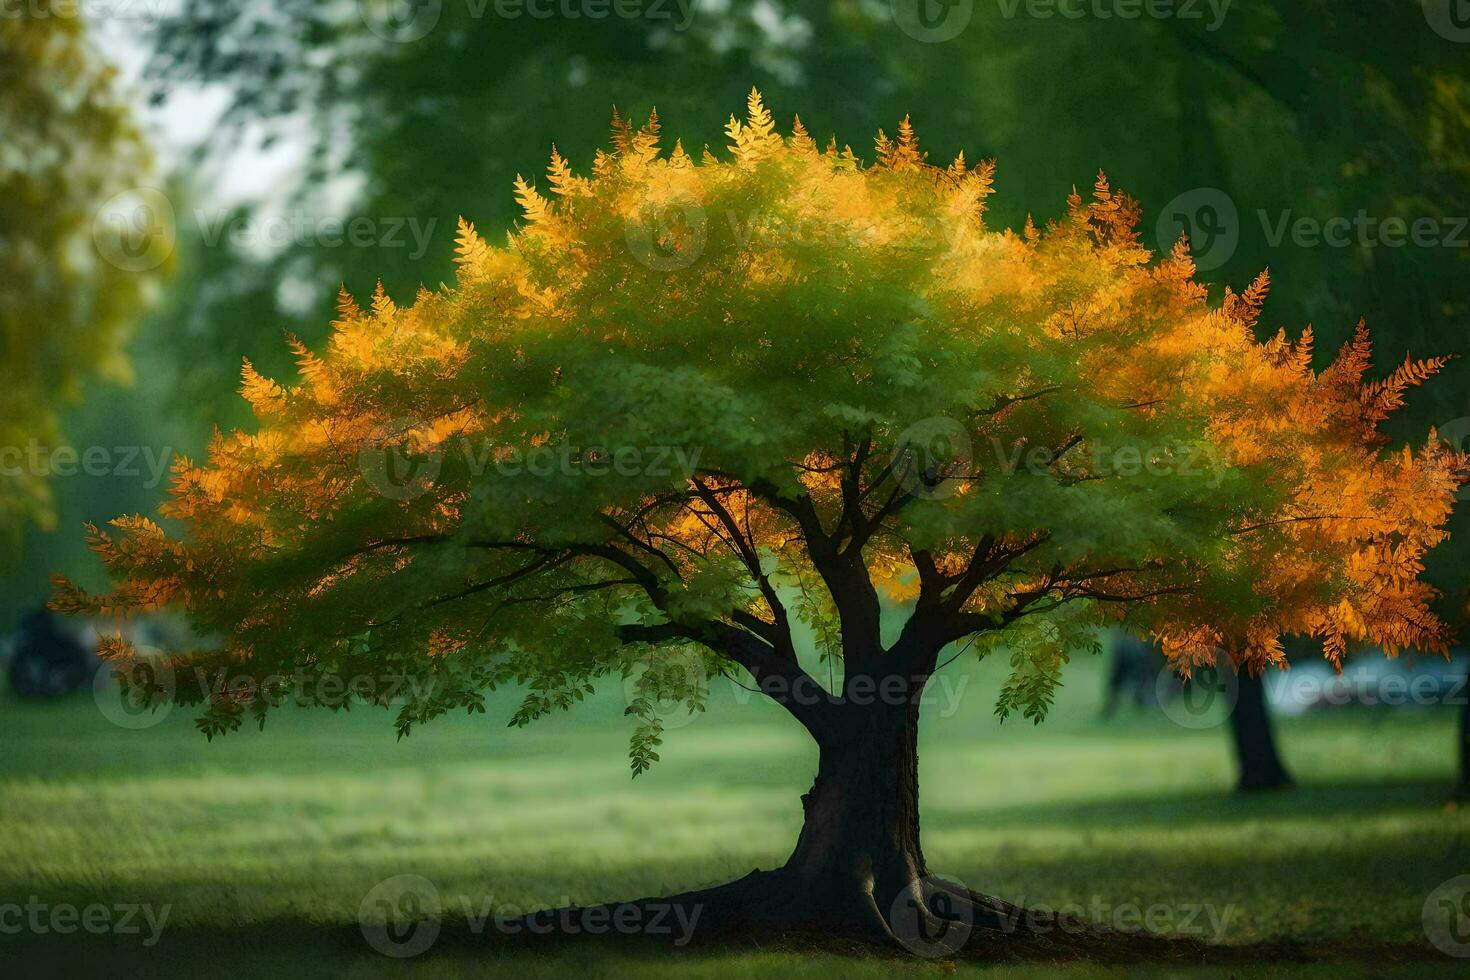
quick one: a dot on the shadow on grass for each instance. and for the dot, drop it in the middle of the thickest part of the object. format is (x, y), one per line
(290, 948)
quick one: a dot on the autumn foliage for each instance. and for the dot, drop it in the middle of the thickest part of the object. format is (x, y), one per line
(858, 388)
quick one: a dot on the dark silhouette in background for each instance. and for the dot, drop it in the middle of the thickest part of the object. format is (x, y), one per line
(1139, 674)
(48, 662)
(1133, 675)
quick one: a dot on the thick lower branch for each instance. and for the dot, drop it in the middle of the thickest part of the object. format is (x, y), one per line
(782, 679)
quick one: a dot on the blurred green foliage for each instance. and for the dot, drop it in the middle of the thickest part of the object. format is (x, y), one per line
(70, 283)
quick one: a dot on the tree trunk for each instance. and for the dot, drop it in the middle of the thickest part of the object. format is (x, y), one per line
(858, 852)
(1257, 762)
(858, 872)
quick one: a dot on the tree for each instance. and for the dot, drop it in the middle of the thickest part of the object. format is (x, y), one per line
(690, 408)
(69, 284)
(1258, 765)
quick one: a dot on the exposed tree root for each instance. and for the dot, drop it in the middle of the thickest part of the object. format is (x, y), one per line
(755, 913)
(941, 921)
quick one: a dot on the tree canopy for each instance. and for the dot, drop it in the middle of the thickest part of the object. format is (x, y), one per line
(714, 404)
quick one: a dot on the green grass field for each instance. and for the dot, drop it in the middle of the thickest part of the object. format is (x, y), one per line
(265, 844)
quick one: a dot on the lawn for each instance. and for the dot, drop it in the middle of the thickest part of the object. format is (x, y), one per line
(263, 845)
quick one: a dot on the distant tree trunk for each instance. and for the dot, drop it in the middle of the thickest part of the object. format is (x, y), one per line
(1257, 762)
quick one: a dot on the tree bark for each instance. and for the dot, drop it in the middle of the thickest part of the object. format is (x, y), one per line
(1258, 764)
(858, 852)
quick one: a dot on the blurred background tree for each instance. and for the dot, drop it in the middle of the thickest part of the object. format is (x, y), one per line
(74, 274)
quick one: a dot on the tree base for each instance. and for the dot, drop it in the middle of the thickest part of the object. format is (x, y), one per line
(948, 922)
